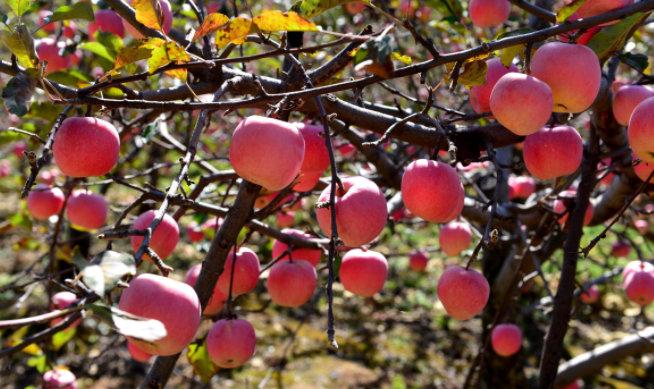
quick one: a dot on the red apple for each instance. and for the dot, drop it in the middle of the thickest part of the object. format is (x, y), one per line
(63, 300)
(480, 95)
(310, 255)
(107, 20)
(5, 168)
(640, 288)
(212, 224)
(355, 7)
(44, 201)
(217, 300)
(363, 272)
(506, 339)
(559, 206)
(489, 13)
(553, 152)
(585, 37)
(86, 209)
(286, 219)
(164, 239)
(418, 261)
(643, 169)
(231, 343)
(598, 7)
(523, 187)
(464, 293)
(167, 24)
(642, 226)
(18, 149)
(620, 249)
(641, 131)
(636, 266)
(591, 295)
(48, 50)
(454, 237)
(194, 232)
(346, 150)
(291, 283)
(626, 100)
(316, 156)
(137, 354)
(246, 272)
(59, 378)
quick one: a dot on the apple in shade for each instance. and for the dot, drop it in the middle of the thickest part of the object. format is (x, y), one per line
(480, 95)
(522, 186)
(643, 169)
(292, 283)
(267, 152)
(464, 293)
(625, 101)
(489, 13)
(18, 149)
(218, 298)
(214, 6)
(347, 150)
(171, 302)
(86, 209)
(316, 156)
(167, 24)
(410, 10)
(418, 261)
(107, 20)
(361, 211)
(60, 379)
(286, 219)
(355, 7)
(63, 300)
(641, 225)
(454, 237)
(246, 272)
(137, 354)
(363, 272)
(569, 195)
(585, 37)
(641, 131)
(553, 152)
(575, 89)
(48, 50)
(598, 7)
(523, 104)
(398, 215)
(86, 147)
(506, 339)
(5, 168)
(44, 201)
(574, 385)
(639, 287)
(605, 163)
(194, 232)
(231, 343)
(76, 57)
(620, 249)
(310, 255)
(590, 295)
(431, 190)
(164, 239)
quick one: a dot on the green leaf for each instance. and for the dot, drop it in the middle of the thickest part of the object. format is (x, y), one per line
(19, 6)
(566, 11)
(338, 261)
(638, 61)
(103, 272)
(150, 130)
(39, 362)
(7, 136)
(112, 42)
(452, 10)
(203, 366)
(148, 330)
(18, 94)
(80, 10)
(509, 53)
(62, 337)
(98, 49)
(311, 8)
(21, 44)
(611, 39)
(20, 220)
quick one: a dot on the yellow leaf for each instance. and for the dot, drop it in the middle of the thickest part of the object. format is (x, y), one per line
(179, 74)
(405, 59)
(236, 32)
(311, 8)
(278, 21)
(162, 53)
(149, 13)
(210, 25)
(21, 44)
(129, 55)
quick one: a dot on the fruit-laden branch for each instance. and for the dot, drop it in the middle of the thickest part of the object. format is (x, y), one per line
(593, 361)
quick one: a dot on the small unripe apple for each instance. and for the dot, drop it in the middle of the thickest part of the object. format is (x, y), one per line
(60, 379)
(246, 272)
(231, 343)
(576, 88)
(598, 7)
(431, 190)
(292, 283)
(266, 151)
(506, 339)
(310, 255)
(167, 24)
(642, 225)
(641, 131)
(171, 302)
(138, 354)
(286, 219)
(361, 211)
(363, 272)
(523, 104)
(217, 300)
(591, 295)
(559, 206)
(620, 249)
(194, 232)
(418, 261)
(44, 201)
(640, 288)
(86, 147)
(86, 209)
(63, 300)
(164, 239)
(107, 20)
(464, 293)
(480, 95)
(489, 13)
(626, 100)
(48, 50)
(553, 152)
(454, 237)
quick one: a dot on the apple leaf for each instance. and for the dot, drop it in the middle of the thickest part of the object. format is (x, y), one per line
(62, 337)
(98, 49)
(610, 39)
(180, 74)
(236, 31)
(149, 13)
(566, 11)
(39, 362)
(210, 25)
(19, 6)
(375, 57)
(18, 94)
(638, 61)
(7, 136)
(452, 10)
(203, 366)
(278, 21)
(310, 8)
(103, 272)
(473, 73)
(405, 59)
(128, 55)
(163, 53)
(148, 330)
(112, 41)
(509, 53)
(80, 10)
(21, 44)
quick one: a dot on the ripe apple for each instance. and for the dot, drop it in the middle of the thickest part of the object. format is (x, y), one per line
(137, 354)
(266, 151)
(355, 7)
(44, 201)
(619, 83)
(76, 57)
(363, 272)
(48, 50)
(217, 300)
(480, 95)
(559, 206)
(59, 378)
(347, 150)
(246, 272)
(598, 7)
(86, 209)
(591, 295)
(454, 237)
(522, 186)
(523, 104)
(171, 302)
(107, 20)
(626, 100)
(194, 232)
(506, 339)
(431, 190)
(553, 152)
(418, 261)
(643, 169)
(86, 147)
(167, 24)
(63, 300)
(212, 224)
(464, 293)
(636, 266)
(5, 168)
(620, 249)
(489, 13)
(286, 219)
(585, 37)
(291, 283)
(316, 156)
(576, 88)
(310, 255)
(361, 212)
(641, 128)
(642, 226)
(231, 343)
(18, 149)
(164, 239)
(639, 287)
